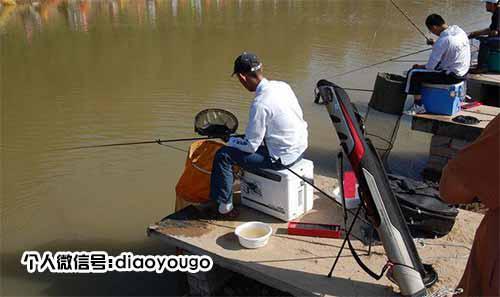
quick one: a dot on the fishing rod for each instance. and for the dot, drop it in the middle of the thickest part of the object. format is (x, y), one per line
(158, 141)
(380, 63)
(429, 41)
(395, 59)
(423, 61)
(358, 90)
(410, 61)
(210, 123)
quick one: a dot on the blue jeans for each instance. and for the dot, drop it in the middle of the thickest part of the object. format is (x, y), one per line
(221, 181)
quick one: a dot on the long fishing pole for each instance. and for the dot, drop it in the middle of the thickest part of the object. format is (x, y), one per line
(429, 41)
(395, 59)
(158, 141)
(358, 90)
(410, 61)
(382, 62)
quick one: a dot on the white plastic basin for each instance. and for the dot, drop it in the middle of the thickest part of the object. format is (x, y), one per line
(253, 235)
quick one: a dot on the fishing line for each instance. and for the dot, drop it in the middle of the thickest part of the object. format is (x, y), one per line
(380, 63)
(358, 90)
(163, 142)
(429, 41)
(173, 147)
(306, 180)
(410, 61)
(395, 59)
(411, 22)
(158, 141)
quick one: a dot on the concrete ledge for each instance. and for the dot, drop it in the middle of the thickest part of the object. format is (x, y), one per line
(299, 265)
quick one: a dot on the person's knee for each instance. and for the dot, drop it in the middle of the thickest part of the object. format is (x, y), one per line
(410, 75)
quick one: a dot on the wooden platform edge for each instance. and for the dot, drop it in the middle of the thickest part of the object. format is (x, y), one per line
(232, 265)
(465, 132)
(492, 79)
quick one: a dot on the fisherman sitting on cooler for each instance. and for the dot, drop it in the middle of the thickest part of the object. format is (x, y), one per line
(275, 138)
(488, 37)
(448, 64)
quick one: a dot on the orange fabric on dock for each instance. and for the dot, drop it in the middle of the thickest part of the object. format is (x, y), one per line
(474, 172)
(194, 184)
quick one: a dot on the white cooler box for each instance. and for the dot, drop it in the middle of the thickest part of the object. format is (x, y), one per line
(280, 194)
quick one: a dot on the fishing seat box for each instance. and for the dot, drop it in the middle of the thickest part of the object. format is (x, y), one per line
(443, 99)
(280, 194)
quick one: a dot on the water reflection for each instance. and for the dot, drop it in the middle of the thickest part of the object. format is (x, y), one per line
(114, 11)
(151, 12)
(175, 5)
(77, 12)
(32, 22)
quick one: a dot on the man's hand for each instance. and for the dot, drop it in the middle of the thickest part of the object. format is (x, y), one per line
(430, 41)
(476, 34)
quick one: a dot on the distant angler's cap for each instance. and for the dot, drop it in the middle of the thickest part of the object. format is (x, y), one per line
(246, 62)
(490, 1)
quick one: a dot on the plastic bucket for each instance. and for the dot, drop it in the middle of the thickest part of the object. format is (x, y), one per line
(253, 235)
(388, 95)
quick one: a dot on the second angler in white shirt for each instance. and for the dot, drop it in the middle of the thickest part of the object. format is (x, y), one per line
(275, 138)
(448, 63)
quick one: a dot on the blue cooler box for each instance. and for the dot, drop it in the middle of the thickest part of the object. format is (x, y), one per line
(443, 99)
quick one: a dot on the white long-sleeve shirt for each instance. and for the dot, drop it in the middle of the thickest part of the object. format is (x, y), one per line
(451, 52)
(276, 117)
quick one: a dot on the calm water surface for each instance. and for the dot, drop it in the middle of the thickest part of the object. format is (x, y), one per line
(90, 72)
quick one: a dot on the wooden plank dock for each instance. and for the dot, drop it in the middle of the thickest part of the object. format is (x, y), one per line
(492, 79)
(484, 87)
(443, 125)
(449, 137)
(299, 265)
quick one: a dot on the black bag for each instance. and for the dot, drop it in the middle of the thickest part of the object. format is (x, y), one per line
(426, 215)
